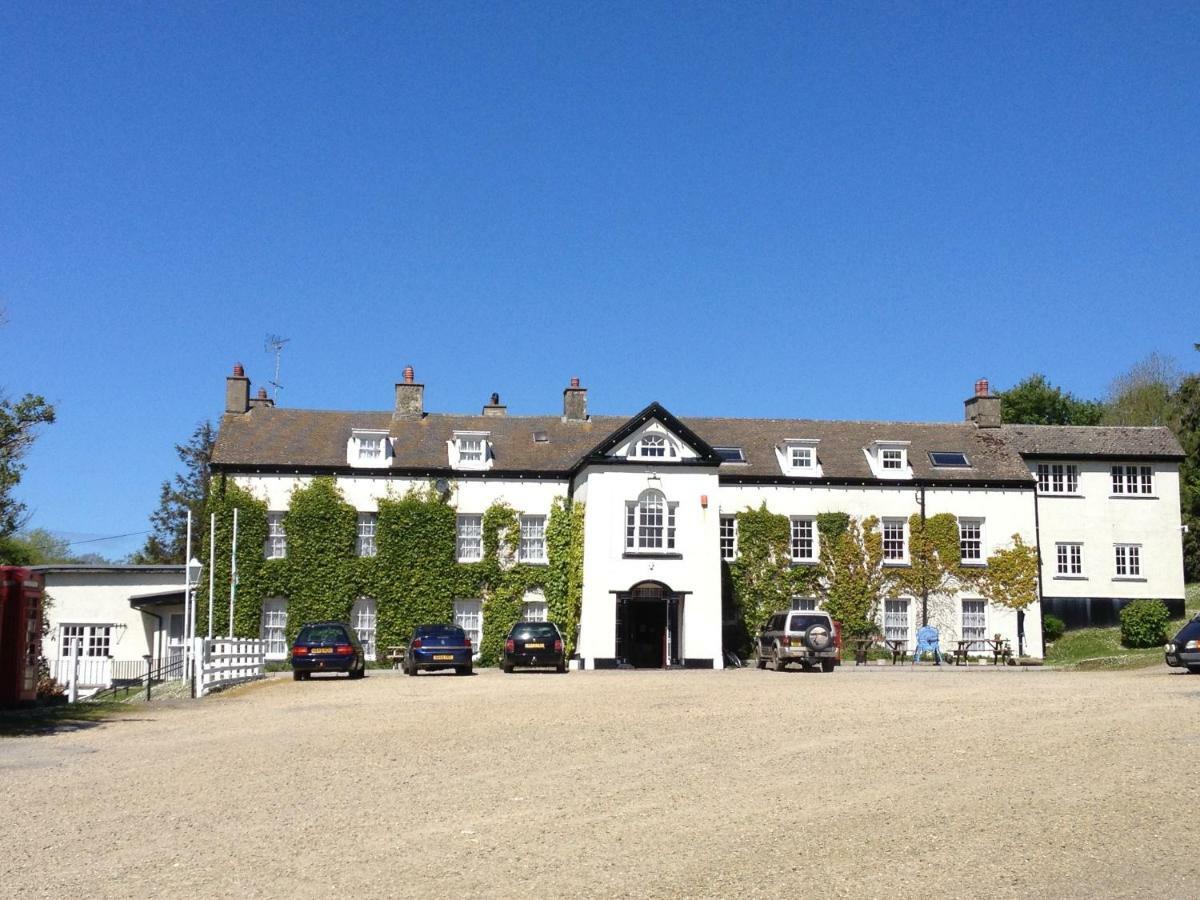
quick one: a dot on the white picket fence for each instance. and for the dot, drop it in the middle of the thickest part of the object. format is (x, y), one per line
(226, 661)
(93, 671)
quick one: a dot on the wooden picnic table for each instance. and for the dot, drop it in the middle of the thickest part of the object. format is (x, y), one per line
(1001, 650)
(396, 655)
(861, 646)
(961, 650)
(898, 648)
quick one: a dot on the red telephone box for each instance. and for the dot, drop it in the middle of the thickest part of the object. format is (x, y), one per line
(21, 592)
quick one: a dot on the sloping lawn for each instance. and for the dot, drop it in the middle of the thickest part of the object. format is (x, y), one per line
(1100, 648)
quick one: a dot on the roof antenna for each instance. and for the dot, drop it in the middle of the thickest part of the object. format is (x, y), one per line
(274, 345)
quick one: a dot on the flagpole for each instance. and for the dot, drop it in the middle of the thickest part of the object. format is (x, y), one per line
(233, 571)
(187, 597)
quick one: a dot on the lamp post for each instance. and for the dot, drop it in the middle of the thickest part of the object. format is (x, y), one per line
(194, 567)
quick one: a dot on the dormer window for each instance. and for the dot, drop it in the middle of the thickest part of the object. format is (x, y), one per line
(798, 456)
(368, 448)
(888, 459)
(471, 450)
(654, 446)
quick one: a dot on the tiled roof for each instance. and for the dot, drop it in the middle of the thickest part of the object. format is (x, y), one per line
(282, 438)
(1092, 440)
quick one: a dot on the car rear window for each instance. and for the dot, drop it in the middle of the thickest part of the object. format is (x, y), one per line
(450, 631)
(801, 623)
(535, 630)
(322, 634)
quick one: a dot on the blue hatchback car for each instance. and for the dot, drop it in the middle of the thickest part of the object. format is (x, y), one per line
(434, 647)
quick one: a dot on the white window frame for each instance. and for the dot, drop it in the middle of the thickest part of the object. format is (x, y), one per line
(798, 456)
(367, 525)
(804, 532)
(728, 532)
(897, 625)
(654, 445)
(970, 541)
(368, 448)
(535, 610)
(1058, 478)
(468, 537)
(532, 547)
(1132, 480)
(881, 453)
(974, 623)
(95, 640)
(273, 627)
(1127, 560)
(275, 546)
(1068, 556)
(805, 604)
(891, 459)
(468, 615)
(890, 555)
(471, 450)
(364, 619)
(650, 523)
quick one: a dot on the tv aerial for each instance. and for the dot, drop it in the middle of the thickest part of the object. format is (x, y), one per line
(274, 344)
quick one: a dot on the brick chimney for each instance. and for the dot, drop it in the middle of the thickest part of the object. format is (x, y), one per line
(575, 402)
(984, 408)
(410, 397)
(237, 391)
(261, 399)
(494, 407)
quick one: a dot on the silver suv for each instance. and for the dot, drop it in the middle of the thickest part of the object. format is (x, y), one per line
(804, 637)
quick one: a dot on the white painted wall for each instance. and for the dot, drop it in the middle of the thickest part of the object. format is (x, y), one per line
(98, 597)
(606, 568)
(1098, 519)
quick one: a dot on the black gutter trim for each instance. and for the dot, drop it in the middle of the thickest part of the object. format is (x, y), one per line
(643, 463)
(414, 472)
(1006, 483)
(1113, 457)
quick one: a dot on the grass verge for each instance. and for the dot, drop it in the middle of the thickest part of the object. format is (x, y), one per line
(1090, 649)
(65, 717)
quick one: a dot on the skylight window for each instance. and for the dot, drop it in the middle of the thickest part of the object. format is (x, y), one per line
(730, 454)
(945, 459)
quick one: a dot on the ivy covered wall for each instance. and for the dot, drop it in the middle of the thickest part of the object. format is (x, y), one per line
(414, 577)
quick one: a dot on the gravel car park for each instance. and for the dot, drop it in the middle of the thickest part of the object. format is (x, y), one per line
(1001, 782)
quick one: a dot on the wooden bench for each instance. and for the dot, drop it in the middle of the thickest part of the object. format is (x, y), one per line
(396, 655)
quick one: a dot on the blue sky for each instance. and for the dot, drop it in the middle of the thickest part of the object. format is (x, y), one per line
(825, 210)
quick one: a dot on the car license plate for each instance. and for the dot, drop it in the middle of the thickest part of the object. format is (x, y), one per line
(322, 650)
(531, 646)
(439, 657)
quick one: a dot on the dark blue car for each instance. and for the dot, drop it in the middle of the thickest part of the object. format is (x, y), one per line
(327, 647)
(434, 647)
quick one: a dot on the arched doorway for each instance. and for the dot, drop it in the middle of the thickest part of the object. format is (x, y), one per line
(649, 632)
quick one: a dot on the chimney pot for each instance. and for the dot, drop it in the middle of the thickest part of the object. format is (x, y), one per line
(409, 375)
(575, 382)
(981, 388)
(238, 371)
(262, 393)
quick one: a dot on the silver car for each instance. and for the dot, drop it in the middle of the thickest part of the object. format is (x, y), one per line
(807, 638)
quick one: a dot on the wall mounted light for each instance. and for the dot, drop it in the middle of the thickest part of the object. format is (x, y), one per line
(704, 501)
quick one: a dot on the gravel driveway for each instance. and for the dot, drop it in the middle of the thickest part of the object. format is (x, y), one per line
(863, 783)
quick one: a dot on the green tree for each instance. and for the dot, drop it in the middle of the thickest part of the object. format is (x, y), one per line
(19, 423)
(852, 580)
(188, 490)
(935, 573)
(1034, 401)
(39, 547)
(1011, 576)
(1145, 395)
(1187, 424)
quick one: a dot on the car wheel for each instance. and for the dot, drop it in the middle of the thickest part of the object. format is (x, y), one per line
(506, 668)
(1193, 670)
(297, 676)
(760, 661)
(562, 668)
(778, 661)
(827, 665)
(412, 669)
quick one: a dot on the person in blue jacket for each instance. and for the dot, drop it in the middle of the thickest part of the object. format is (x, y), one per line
(927, 639)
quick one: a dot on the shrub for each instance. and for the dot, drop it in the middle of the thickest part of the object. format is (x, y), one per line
(1052, 628)
(1144, 623)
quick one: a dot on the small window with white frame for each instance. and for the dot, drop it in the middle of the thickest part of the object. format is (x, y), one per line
(363, 618)
(1132, 481)
(533, 539)
(654, 445)
(894, 550)
(804, 604)
(799, 457)
(367, 522)
(1069, 559)
(895, 619)
(368, 448)
(888, 459)
(728, 537)
(1057, 478)
(974, 624)
(468, 615)
(274, 627)
(1128, 559)
(970, 541)
(804, 539)
(534, 607)
(275, 546)
(470, 538)
(471, 450)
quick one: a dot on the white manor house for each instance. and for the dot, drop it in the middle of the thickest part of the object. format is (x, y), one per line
(1100, 503)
